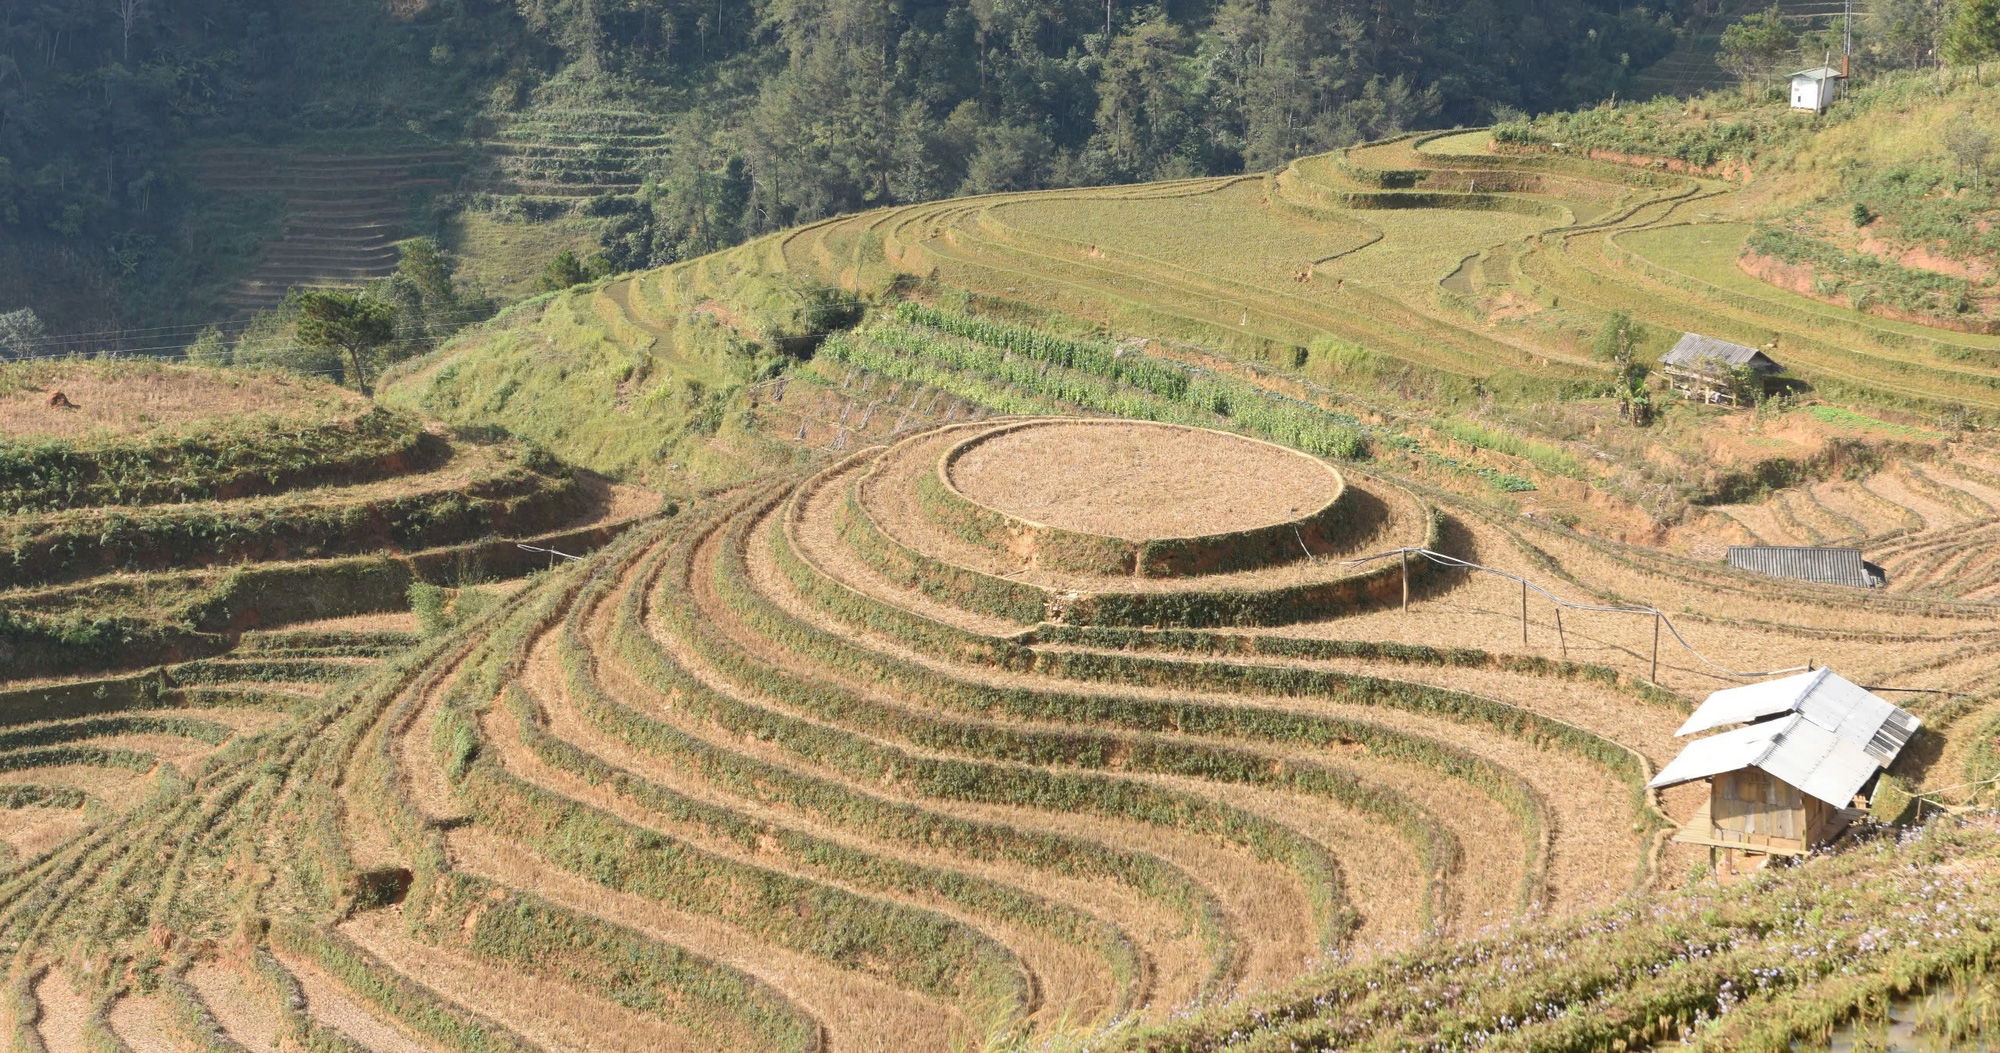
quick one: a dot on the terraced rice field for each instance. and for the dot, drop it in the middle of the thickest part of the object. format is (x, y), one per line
(343, 213)
(791, 770)
(950, 729)
(813, 764)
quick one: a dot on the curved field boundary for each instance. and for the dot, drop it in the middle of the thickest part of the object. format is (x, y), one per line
(950, 778)
(47, 475)
(836, 803)
(1063, 549)
(849, 604)
(1146, 716)
(1148, 875)
(1185, 608)
(1181, 284)
(976, 895)
(509, 496)
(465, 914)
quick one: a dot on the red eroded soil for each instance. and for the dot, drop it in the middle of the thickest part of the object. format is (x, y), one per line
(1795, 278)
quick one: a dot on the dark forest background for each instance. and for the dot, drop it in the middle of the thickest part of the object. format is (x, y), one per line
(781, 110)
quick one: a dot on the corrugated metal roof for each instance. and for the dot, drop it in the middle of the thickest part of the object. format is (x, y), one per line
(1818, 762)
(1821, 73)
(1836, 736)
(1693, 347)
(1828, 566)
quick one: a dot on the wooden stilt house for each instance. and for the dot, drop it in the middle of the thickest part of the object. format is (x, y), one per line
(1794, 775)
(1701, 367)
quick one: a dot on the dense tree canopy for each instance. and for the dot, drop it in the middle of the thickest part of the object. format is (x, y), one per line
(791, 109)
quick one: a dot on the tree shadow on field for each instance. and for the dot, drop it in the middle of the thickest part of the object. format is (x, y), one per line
(1453, 540)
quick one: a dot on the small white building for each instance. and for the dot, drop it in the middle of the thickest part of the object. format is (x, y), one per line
(1816, 89)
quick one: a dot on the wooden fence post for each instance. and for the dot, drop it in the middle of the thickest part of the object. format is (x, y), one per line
(1524, 612)
(1655, 678)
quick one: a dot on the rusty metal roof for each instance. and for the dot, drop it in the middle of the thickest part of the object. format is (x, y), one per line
(1827, 566)
(1694, 347)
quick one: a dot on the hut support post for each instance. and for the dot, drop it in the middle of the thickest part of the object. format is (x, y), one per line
(1655, 678)
(1406, 581)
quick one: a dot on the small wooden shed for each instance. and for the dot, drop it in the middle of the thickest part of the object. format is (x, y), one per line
(1699, 366)
(1793, 776)
(1815, 89)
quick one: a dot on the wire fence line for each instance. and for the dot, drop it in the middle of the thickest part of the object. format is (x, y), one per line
(1661, 618)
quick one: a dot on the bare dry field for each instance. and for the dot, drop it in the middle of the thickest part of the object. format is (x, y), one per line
(1140, 481)
(137, 397)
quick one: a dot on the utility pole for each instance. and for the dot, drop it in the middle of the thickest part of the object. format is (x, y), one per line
(1847, 38)
(1107, 26)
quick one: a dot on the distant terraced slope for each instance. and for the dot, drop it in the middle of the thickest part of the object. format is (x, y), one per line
(569, 153)
(343, 213)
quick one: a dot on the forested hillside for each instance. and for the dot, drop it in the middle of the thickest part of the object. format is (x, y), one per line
(698, 123)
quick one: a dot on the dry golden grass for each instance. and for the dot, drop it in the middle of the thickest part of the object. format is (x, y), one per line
(1135, 480)
(130, 397)
(334, 1006)
(556, 1017)
(32, 831)
(1078, 975)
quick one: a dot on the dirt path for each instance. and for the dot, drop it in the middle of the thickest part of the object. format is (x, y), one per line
(142, 1023)
(64, 1013)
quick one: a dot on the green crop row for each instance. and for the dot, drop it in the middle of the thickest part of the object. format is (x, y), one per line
(63, 756)
(1865, 278)
(1208, 400)
(283, 994)
(1096, 359)
(1198, 641)
(72, 545)
(311, 643)
(258, 456)
(206, 731)
(21, 795)
(260, 670)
